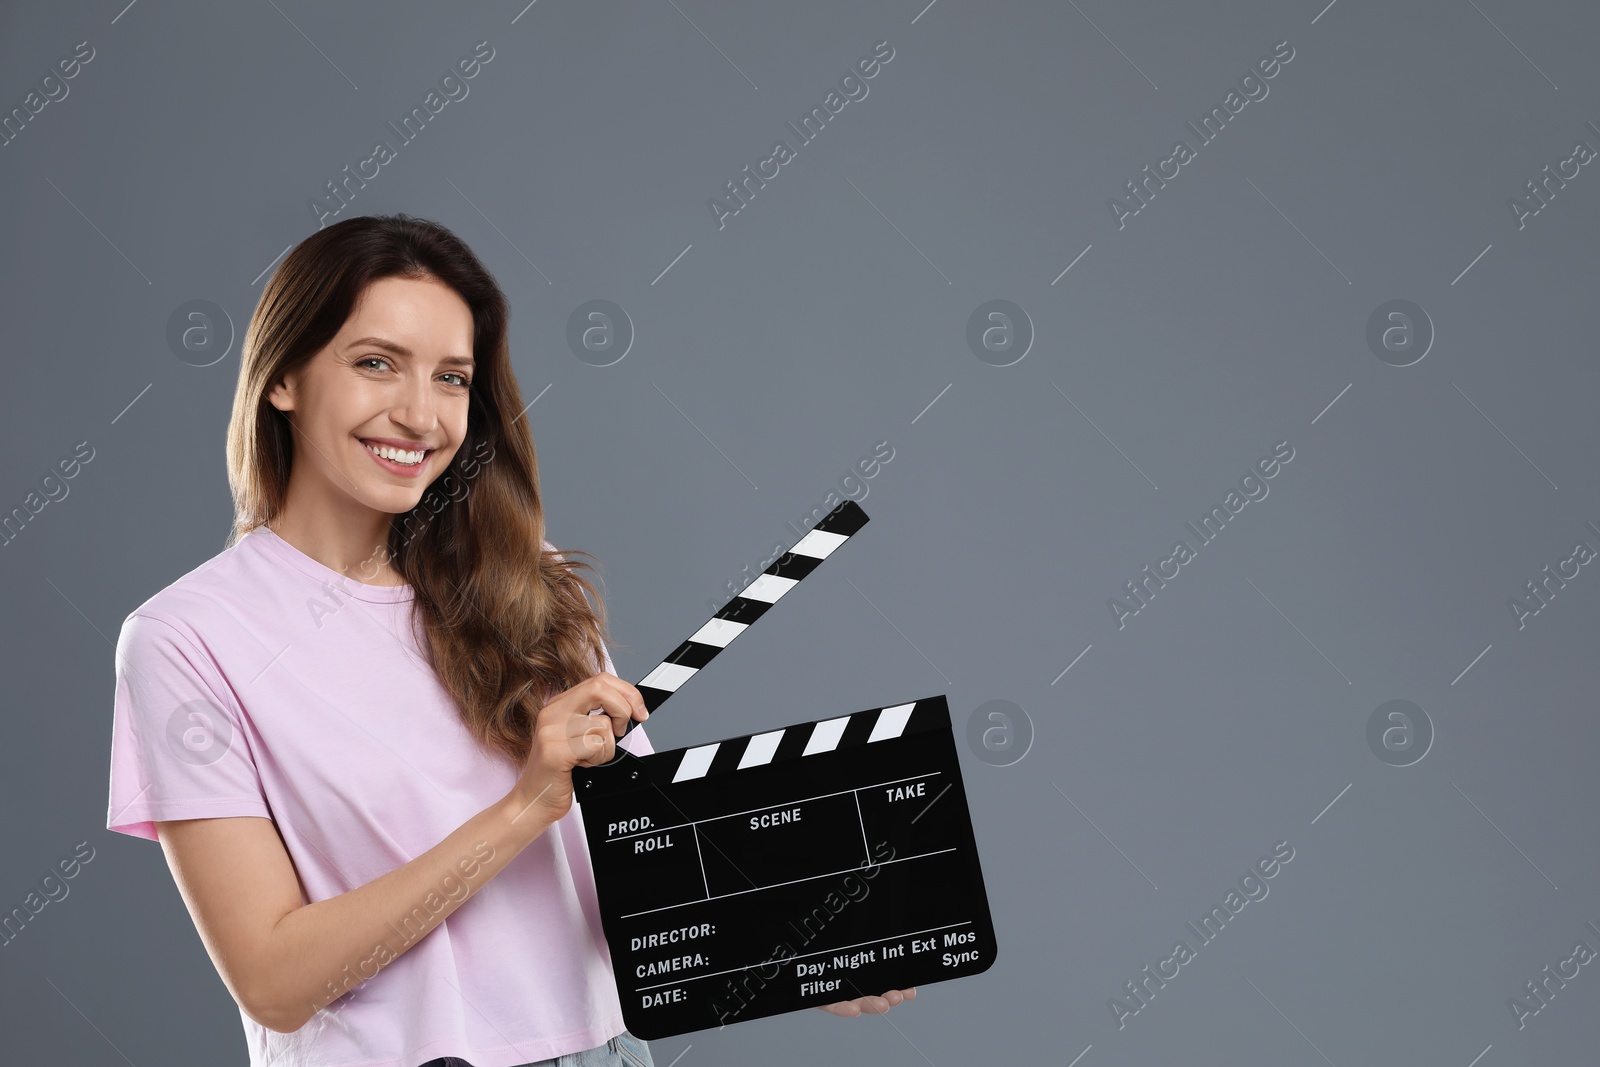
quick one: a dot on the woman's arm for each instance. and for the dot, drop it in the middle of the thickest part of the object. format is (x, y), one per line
(276, 954)
(282, 959)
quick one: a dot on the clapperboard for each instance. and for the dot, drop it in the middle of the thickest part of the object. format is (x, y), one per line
(762, 874)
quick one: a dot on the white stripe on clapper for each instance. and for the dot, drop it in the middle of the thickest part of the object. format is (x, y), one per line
(696, 761)
(768, 588)
(668, 676)
(718, 632)
(759, 749)
(818, 543)
(891, 722)
(825, 735)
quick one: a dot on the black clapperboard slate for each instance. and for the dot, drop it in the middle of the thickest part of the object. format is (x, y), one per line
(781, 870)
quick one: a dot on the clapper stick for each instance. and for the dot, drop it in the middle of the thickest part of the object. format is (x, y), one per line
(748, 605)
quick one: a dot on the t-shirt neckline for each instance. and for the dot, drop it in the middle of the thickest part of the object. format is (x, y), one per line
(273, 543)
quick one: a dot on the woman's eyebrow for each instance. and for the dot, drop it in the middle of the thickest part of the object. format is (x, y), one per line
(401, 350)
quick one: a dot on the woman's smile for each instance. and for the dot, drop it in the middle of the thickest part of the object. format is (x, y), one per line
(406, 462)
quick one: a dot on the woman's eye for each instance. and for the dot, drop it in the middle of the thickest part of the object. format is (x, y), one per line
(371, 359)
(464, 380)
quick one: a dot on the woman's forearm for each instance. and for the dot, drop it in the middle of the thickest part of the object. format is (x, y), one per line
(320, 951)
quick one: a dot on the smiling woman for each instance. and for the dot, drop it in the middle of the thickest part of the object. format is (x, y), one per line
(315, 777)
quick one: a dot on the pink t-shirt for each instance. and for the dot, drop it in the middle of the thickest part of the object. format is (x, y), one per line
(265, 683)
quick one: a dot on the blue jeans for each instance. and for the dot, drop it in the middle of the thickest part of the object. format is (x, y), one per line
(624, 1050)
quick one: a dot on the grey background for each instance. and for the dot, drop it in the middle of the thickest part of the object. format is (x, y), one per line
(828, 315)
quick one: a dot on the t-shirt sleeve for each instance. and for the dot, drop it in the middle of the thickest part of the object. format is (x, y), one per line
(178, 750)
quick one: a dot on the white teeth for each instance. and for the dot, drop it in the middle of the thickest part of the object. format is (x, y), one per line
(396, 455)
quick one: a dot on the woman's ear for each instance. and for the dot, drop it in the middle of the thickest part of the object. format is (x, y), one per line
(281, 395)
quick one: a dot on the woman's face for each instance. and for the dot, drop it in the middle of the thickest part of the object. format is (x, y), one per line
(395, 375)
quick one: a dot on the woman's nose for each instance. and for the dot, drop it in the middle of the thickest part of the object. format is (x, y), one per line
(415, 411)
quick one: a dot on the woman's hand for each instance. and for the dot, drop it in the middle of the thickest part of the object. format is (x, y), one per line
(849, 1009)
(566, 735)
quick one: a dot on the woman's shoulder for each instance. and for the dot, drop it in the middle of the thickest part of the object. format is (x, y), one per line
(213, 589)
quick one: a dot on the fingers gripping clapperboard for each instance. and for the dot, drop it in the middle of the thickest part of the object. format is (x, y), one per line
(762, 874)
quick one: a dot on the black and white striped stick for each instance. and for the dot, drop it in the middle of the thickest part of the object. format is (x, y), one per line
(749, 604)
(736, 754)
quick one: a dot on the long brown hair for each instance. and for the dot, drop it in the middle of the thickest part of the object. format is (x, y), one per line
(506, 623)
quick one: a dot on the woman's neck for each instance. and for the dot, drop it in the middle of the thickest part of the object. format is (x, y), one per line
(359, 554)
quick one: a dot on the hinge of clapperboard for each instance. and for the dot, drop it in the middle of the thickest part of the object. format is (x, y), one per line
(748, 605)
